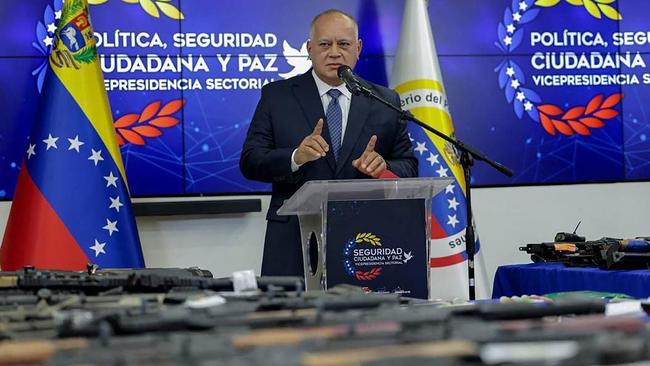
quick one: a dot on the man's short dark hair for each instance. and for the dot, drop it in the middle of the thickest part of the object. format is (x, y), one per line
(334, 11)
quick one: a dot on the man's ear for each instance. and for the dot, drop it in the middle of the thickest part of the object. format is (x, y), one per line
(360, 44)
(309, 47)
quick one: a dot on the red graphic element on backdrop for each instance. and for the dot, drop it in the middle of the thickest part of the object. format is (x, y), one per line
(579, 119)
(368, 275)
(149, 123)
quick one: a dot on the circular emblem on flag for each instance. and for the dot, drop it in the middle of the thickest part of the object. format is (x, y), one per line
(452, 154)
(579, 119)
(75, 41)
(72, 37)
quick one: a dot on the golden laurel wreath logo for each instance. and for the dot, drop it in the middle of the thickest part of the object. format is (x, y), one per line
(595, 7)
(369, 238)
(151, 7)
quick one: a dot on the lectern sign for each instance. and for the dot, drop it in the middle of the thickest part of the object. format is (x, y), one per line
(379, 245)
(365, 251)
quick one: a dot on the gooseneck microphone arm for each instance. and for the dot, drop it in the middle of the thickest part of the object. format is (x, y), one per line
(467, 154)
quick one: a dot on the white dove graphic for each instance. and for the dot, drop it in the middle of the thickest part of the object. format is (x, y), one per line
(299, 60)
(407, 257)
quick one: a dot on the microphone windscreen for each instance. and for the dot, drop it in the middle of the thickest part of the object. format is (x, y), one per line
(343, 70)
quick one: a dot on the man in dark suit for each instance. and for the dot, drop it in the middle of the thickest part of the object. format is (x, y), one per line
(310, 127)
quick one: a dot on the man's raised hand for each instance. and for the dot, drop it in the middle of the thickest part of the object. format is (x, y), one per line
(313, 147)
(370, 162)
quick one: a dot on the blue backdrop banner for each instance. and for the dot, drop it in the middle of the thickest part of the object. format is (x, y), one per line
(551, 89)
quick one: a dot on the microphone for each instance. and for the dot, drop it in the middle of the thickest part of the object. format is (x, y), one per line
(352, 81)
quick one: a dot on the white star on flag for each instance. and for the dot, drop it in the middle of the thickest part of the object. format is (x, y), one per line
(521, 96)
(450, 188)
(452, 221)
(515, 83)
(48, 41)
(98, 248)
(421, 148)
(523, 6)
(115, 203)
(30, 151)
(442, 172)
(110, 226)
(510, 28)
(57, 14)
(516, 16)
(75, 143)
(433, 159)
(51, 28)
(507, 40)
(50, 141)
(528, 105)
(453, 203)
(111, 180)
(96, 156)
(510, 71)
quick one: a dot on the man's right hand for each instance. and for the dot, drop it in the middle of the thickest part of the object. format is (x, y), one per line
(313, 147)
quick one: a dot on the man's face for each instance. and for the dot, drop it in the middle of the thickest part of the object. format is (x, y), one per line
(333, 44)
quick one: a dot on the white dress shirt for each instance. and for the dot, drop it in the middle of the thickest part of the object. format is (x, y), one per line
(344, 101)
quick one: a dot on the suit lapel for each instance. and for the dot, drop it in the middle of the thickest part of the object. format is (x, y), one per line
(305, 91)
(357, 116)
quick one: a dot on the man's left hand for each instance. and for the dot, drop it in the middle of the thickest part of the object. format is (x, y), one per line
(370, 162)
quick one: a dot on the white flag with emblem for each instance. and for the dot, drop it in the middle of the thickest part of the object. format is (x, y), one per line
(416, 77)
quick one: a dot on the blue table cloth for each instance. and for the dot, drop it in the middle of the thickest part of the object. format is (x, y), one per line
(544, 278)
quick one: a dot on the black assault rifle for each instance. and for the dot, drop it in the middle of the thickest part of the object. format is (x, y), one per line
(605, 253)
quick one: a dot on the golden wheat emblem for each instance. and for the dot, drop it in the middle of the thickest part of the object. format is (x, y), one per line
(369, 238)
(151, 7)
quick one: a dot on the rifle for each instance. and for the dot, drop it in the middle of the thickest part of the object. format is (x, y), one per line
(95, 281)
(605, 253)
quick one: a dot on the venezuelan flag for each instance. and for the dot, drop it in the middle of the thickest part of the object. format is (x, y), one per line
(72, 204)
(417, 79)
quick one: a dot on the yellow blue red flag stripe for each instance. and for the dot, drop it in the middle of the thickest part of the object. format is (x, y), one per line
(418, 80)
(72, 205)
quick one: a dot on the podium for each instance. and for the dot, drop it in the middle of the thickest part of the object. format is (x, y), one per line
(373, 233)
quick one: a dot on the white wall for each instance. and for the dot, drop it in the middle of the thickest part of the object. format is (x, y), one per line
(220, 243)
(506, 219)
(509, 217)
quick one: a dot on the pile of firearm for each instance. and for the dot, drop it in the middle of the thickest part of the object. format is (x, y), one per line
(187, 317)
(605, 253)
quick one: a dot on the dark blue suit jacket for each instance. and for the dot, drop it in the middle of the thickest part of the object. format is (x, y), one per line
(286, 113)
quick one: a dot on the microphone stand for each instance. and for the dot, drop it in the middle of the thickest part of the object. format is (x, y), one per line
(468, 155)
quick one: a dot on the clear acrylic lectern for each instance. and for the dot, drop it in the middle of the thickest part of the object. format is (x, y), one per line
(373, 233)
